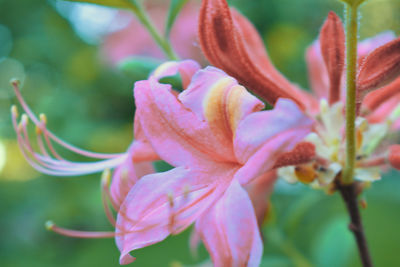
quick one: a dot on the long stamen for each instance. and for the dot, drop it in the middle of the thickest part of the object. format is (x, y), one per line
(43, 162)
(105, 185)
(79, 234)
(36, 121)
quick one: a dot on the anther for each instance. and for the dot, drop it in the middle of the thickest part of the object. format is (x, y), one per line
(170, 197)
(43, 118)
(15, 82)
(105, 178)
(14, 111)
(49, 225)
(305, 173)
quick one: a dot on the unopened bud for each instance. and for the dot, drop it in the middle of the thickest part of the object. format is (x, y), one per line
(394, 156)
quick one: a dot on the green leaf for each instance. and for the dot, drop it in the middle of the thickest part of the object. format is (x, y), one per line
(110, 3)
(174, 9)
(334, 240)
(275, 261)
(138, 68)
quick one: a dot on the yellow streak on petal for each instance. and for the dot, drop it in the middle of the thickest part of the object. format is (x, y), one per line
(216, 109)
(236, 97)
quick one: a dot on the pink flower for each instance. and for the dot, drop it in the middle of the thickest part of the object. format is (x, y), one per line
(211, 134)
(231, 43)
(130, 166)
(218, 140)
(134, 40)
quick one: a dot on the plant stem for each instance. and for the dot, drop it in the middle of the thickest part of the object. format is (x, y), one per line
(298, 259)
(142, 16)
(349, 195)
(351, 54)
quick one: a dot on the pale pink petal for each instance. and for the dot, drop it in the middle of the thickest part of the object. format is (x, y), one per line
(318, 74)
(229, 230)
(259, 127)
(141, 149)
(382, 112)
(186, 68)
(259, 190)
(167, 203)
(134, 39)
(218, 99)
(368, 45)
(176, 133)
(262, 136)
(126, 175)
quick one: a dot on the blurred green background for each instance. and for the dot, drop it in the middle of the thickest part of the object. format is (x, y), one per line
(89, 103)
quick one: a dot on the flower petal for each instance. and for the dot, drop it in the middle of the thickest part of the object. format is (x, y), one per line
(176, 133)
(259, 190)
(186, 68)
(141, 149)
(332, 41)
(368, 45)
(318, 74)
(218, 99)
(378, 97)
(167, 203)
(262, 136)
(231, 43)
(126, 175)
(229, 230)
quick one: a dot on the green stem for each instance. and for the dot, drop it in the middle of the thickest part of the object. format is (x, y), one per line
(351, 53)
(142, 16)
(298, 259)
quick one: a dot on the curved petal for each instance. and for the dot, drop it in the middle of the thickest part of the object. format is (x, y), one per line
(227, 46)
(229, 230)
(259, 127)
(378, 97)
(186, 68)
(259, 190)
(167, 203)
(383, 111)
(176, 133)
(126, 175)
(318, 74)
(217, 98)
(141, 149)
(262, 136)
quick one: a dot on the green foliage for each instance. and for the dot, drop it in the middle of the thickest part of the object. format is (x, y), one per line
(138, 67)
(110, 3)
(173, 12)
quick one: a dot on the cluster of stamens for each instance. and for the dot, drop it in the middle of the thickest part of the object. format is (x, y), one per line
(321, 168)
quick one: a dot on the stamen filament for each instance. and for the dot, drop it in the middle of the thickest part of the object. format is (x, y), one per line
(105, 185)
(75, 233)
(36, 121)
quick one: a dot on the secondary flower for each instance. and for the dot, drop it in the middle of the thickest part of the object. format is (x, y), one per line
(231, 43)
(218, 140)
(134, 40)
